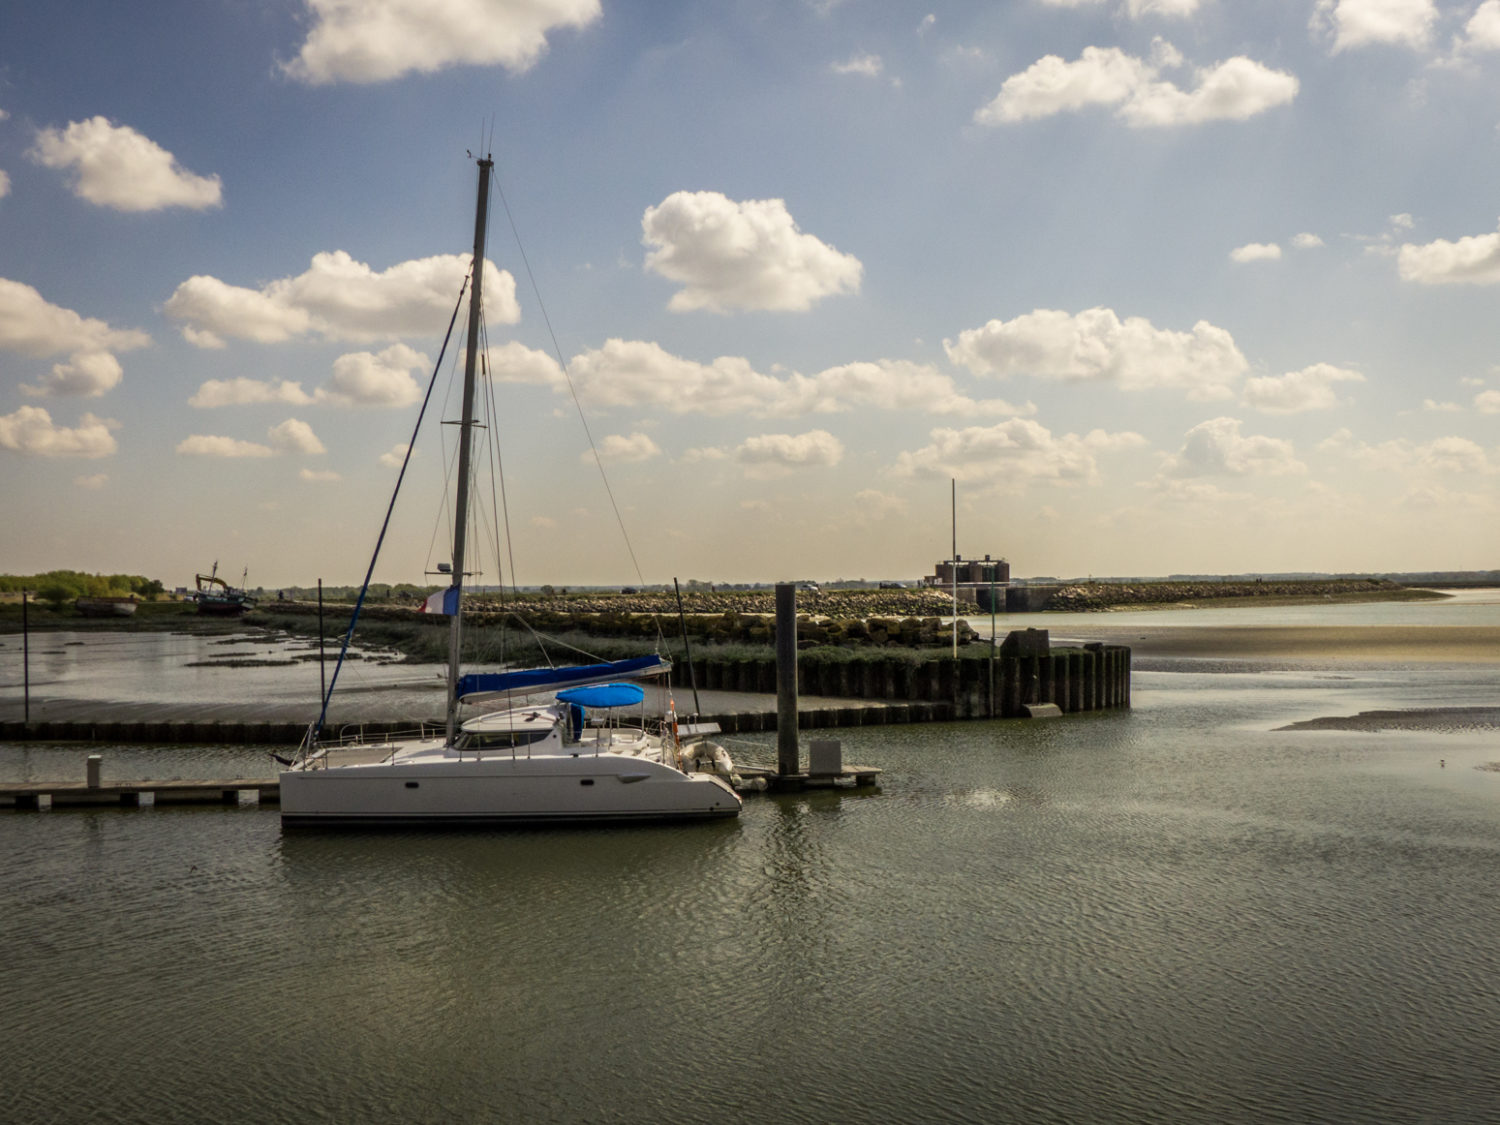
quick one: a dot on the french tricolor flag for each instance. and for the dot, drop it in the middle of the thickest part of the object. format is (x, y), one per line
(444, 601)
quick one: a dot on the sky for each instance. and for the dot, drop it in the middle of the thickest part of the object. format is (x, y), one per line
(1164, 286)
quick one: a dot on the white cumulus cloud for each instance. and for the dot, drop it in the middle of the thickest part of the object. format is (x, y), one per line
(114, 166)
(749, 255)
(1306, 241)
(1051, 85)
(4, 184)
(216, 445)
(30, 431)
(1217, 448)
(1487, 402)
(1482, 32)
(30, 325)
(885, 385)
(639, 373)
(319, 475)
(376, 40)
(383, 379)
(1234, 90)
(1471, 260)
(395, 456)
(1009, 454)
(338, 298)
(771, 455)
(1444, 456)
(1139, 8)
(291, 436)
(88, 375)
(294, 436)
(359, 379)
(867, 65)
(249, 392)
(1312, 388)
(514, 362)
(1256, 252)
(1097, 346)
(1365, 23)
(625, 449)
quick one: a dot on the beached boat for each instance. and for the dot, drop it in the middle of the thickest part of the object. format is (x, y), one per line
(218, 598)
(106, 607)
(561, 757)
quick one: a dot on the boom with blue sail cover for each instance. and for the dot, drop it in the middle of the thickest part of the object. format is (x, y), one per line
(535, 681)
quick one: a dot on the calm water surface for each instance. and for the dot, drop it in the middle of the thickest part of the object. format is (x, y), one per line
(1179, 914)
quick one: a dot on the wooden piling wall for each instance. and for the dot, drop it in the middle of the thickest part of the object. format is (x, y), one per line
(1092, 678)
(898, 690)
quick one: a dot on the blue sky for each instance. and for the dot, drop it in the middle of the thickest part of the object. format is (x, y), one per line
(1166, 285)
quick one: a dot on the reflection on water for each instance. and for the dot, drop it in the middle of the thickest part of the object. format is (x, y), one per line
(1174, 914)
(169, 667)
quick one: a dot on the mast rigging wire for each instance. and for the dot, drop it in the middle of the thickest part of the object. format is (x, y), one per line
(572, 390)
(390, 508)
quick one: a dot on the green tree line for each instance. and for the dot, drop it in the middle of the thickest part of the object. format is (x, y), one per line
(59, 586)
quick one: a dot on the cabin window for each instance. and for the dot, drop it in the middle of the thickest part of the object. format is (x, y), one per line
(501, 739)
(586, 781)
(413, 784)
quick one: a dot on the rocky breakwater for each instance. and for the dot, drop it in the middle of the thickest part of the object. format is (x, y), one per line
(840, 618)
(844, 618)
(921, 602)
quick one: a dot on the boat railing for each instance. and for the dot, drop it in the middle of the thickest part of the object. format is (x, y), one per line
(356, 734)
(316, 748)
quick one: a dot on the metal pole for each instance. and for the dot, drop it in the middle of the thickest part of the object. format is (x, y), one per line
(787, 750)
(461, 499)
(322, 673)
(992, 644)
(687, 651)
(25, 659)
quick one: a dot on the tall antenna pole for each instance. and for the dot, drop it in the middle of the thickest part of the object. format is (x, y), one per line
(954, 482)
(465, 435)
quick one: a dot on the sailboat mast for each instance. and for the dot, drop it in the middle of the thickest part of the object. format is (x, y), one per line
(465, 440)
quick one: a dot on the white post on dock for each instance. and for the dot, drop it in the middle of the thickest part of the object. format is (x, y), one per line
(25, 658)
(787, 750)
(95, 766)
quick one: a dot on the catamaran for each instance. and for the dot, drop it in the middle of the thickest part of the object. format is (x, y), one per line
(551, 752)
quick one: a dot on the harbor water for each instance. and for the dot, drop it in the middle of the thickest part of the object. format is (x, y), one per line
(1179, 913)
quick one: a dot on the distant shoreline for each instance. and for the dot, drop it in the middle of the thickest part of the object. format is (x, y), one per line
(1080, 597)
(1104, 599)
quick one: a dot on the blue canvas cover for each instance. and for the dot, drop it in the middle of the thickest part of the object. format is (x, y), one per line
(536, 681)
(604, 695)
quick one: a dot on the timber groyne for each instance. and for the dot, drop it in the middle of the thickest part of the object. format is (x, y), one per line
(738, 695)
(1090, 678)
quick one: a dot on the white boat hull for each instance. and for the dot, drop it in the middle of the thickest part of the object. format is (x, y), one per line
(491, 790)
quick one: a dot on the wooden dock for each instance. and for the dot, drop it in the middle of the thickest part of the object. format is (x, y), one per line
(176, 791)
(35, 795)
